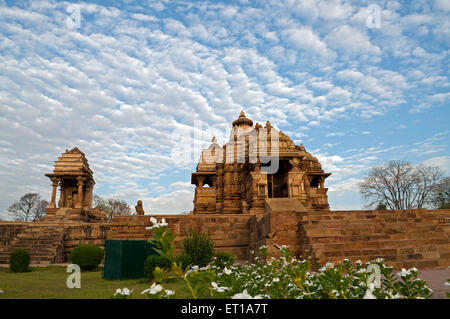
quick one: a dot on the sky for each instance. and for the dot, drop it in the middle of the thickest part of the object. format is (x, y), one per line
(133, 83)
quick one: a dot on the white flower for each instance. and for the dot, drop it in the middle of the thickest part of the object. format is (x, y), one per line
(369, 295)
(245, 295)
(169, 292)
(123, 292)
(154, 289)
(156, 224)
(227, 271)
(276, 279)
(362, 270)
(126, 291)
(404, 273)
(216, 287)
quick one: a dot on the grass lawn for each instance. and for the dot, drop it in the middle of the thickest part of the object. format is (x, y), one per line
(50, 282)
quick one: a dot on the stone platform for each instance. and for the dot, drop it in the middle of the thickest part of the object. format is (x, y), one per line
(410, 238)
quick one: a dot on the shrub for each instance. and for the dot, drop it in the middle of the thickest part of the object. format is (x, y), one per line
(19, 260)
(223, 258)
(199, 247)
(88, 257)
(154, 261)
(183, 259)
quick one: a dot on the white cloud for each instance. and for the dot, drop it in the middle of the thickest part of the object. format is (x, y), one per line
(351, 41)
(305, 39)
(443, 162)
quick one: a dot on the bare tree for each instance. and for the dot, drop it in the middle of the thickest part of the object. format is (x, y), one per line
(441, 195)
(400, 185)
(30, 207)
(111, 207)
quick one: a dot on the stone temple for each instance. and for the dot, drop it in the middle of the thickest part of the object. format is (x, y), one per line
(259, 188)
(76, 181)
(239, 177)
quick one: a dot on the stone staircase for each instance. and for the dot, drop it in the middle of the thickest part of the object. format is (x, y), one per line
(44, 243)
(414, 238)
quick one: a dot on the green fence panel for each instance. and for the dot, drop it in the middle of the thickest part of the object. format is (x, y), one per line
(125, 259)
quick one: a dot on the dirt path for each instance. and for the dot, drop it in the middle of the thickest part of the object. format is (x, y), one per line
(436, 281)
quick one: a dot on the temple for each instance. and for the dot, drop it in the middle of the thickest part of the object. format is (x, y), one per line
(259, 188)
(256, 164)
(75, 179)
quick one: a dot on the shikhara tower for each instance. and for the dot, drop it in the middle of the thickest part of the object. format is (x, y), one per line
(258, 165)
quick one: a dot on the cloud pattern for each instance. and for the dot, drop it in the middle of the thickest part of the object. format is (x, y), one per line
(122, 81)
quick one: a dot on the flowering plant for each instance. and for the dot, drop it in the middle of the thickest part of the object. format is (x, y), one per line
(122, 293)
(289, 277)
(156, 291)
(162, 238)
(286, 277)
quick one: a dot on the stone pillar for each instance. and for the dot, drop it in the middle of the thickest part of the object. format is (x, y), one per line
(55, 182)
(200, 180)
(62, 195)
(80, 184)
(322, 182)
(87, 195)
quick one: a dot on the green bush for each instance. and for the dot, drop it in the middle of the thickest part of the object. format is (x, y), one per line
(154, 261)
(199, 247)
(19, 260)
(88, 257)
(223, 259)
(184, 260)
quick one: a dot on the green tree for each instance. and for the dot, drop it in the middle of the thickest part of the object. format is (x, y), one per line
(30, 207)
(111, 207)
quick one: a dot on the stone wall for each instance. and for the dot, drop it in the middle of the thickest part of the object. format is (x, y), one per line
(229, 232)
(49, 242)
(419, 238)
(86, 233)
(404, 238)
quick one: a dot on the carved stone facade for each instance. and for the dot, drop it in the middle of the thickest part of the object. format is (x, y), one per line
(256, 164)
(76, 184)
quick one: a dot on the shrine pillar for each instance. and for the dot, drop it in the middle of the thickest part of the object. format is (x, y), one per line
(80, 184)
(55, 182)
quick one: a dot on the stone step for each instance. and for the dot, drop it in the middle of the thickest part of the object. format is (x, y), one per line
(418, 244)
(418, 263)
(342, 236)
(388, 217)
(373, 223)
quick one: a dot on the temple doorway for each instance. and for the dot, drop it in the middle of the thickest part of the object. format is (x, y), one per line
(277, 183)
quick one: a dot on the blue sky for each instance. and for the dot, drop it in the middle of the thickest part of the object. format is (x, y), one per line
(128, 77)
